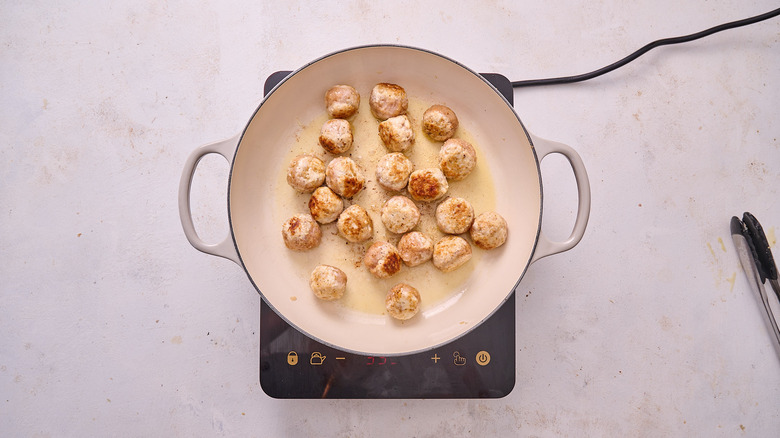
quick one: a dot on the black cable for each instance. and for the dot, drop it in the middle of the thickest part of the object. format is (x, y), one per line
(645, 49)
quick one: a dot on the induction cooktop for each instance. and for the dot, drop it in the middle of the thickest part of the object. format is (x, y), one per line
(480, 364)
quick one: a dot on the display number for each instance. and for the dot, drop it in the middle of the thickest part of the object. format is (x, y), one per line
(379, 361)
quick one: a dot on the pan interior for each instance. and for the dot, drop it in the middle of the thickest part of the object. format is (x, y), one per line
(264, 151)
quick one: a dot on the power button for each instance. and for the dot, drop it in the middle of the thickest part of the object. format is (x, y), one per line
(483, 358)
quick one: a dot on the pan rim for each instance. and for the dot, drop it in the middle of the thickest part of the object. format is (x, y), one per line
(431, 346)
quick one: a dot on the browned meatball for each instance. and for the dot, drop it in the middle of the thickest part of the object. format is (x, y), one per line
(342, 101)
(325, 205)
(415, 248)
(344, 177)
(400, 214)
(301, 233)
(454, 216)
(382, 259)
(439, 122)
(402, 301)
(396, 133)
(306, 173)
(457, 158)
(427, 184)
(388, 100)
(450, 253)
(489, 230)
(393, 170)
(328, 282)
(336, 136)
(355, 225)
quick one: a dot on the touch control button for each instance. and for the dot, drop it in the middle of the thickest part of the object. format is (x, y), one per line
(316, 358)
(483, 358)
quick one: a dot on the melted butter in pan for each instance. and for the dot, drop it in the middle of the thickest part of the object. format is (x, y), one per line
(365, 293)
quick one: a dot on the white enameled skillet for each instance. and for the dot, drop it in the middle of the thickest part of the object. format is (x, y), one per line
(512, 154)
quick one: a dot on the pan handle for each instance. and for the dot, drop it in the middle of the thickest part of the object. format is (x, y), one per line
(545, 246)
(225, 248)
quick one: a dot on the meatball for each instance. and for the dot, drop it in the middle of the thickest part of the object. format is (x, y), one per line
(454, 216)
(354, 224)
(396, 133)
(342, 101)
(344, 177)
(427, 184)
(450, 253)
(489, 230)
(400, 214)
(328, 282)
(301, 233)
(306, 173)
(415, 248)
(382, 259)
(439, 122)
(393, 170)
(325, 205)
(457, 158)
(388, 100)
(336, 136)
(402, 301)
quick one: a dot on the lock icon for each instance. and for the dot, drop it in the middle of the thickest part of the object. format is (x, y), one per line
(317, 358)
(292, 358)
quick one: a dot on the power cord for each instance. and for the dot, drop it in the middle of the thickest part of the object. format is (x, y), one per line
(645, 49)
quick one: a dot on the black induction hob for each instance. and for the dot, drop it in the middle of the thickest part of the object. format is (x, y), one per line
(480, 364)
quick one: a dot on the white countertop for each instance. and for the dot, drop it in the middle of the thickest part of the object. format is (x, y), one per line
(114, 325)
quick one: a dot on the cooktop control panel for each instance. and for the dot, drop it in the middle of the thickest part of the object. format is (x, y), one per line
(480, 364)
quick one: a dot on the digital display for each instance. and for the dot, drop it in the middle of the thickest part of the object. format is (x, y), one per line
(379, 361)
